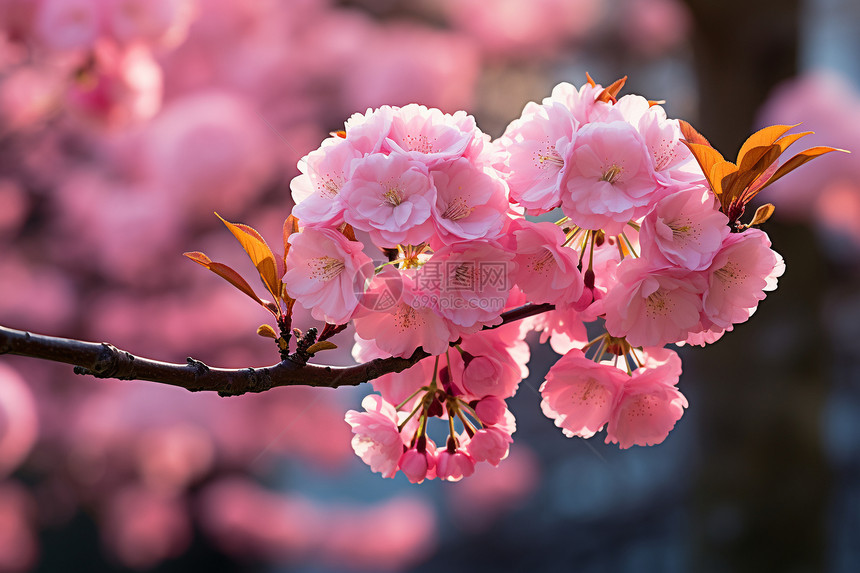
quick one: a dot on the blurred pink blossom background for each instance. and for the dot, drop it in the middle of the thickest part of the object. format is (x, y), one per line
(124, 124)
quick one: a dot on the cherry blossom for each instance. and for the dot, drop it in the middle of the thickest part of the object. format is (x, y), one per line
(740, 275)
(580, 394)
(377, 441)
(546, 269)
(685, 229)
(391, 197)
(649, 405)
(610, 180)
(323, 271)
(653, 306)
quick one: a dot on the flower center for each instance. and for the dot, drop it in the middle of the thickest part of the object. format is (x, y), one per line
(418, 143)
(545, 259)
(326, 268)
(393, 197)
(657, 304)
(329, 188)
(612, 174)
(464, 276)
(549, 156)
(457, 209)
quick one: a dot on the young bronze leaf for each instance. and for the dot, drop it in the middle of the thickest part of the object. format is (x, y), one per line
(322, 345)
(291, 225)
(762, 214)
(260, 253)
(719, 171)
(267, 331)
(786, 141)
(348, 231)
(691, 135)
(225, 273)
(799, 160)
(611, 92)
(763, 138)
(755, 162)
(706, 157)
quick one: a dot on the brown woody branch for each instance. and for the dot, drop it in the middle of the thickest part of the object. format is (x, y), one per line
(103, 360)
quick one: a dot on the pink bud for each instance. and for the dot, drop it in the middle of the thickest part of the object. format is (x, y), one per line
(454, 467)
(415, 465)
(491, 410)
(482, 375)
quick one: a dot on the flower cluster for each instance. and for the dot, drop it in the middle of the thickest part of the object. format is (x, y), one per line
(647, 245)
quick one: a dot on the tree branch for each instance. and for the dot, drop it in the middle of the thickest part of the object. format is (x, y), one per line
(103, 360)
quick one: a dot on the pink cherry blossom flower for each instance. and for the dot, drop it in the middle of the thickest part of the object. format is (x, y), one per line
(582, 103)
(486, 367)
(538, 143)
(429, 135)
(685, 229)
(610, 180)
(367, 132)
(471, 281)
(673, 162)
(564, 329)
(376, 441)
(322, 273)
(410, 323)
(396, 387)
(489, 444)
(740, 275)
(546, 270)
(316, 191)
(649, 406)
(471, 202)
(579, 394)
(491, 410)
(392, 197)
(653, 306)
(454, 466)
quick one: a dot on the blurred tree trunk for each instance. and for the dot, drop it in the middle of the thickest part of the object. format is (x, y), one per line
(762, 493)
(742, 49)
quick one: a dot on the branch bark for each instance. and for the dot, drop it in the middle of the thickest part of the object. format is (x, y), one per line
(103, 360)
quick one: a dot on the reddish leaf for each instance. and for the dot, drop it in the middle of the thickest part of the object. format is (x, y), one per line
(322, 345)
(786, 141)
(799, 160)
(719, 171)
(267, 331)
(706, 156)
(693, 136)
(763, 138)
(291, 225)
(227, 274)
(756, 161)
(348, 231)
(609, 94)
(260, 253)
(762, 214)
